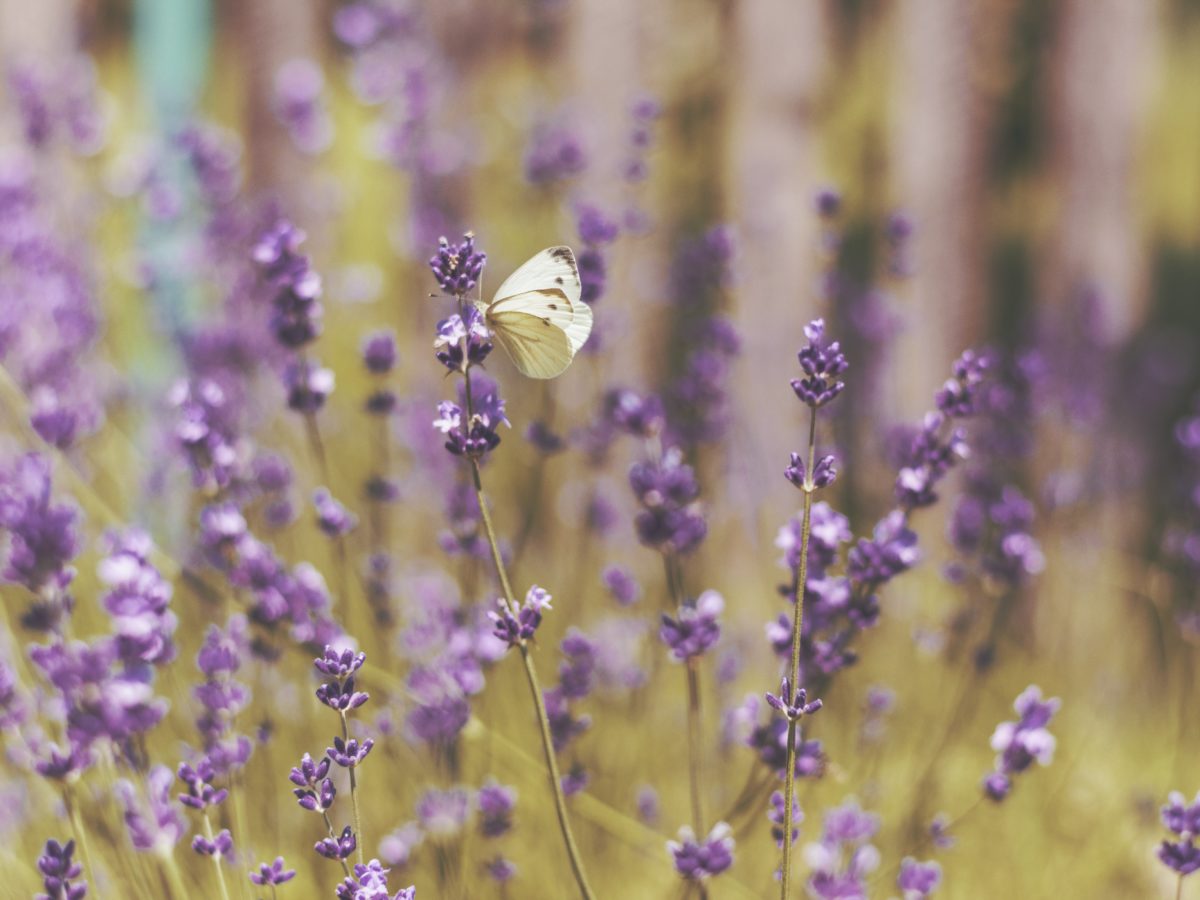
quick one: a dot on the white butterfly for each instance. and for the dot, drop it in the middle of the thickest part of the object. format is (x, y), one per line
(537, 316)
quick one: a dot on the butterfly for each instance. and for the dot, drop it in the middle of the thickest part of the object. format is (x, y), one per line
(536, 314)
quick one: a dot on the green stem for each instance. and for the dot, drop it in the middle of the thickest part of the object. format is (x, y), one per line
(693, 684)
(80, 836)
(358, 832)
(333, 834)
(216, 857)
(798, 583)
(178, 891)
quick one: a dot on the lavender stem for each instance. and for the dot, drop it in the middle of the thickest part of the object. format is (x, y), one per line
(216, 857)
(80, 835)
(354, 796)
(798, 583)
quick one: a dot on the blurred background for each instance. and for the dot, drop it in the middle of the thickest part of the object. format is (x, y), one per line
(927, 175)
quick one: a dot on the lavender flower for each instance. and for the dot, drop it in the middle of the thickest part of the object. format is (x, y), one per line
(778, 813)
(273, 874)
(370, 883)
(516, 630)
(457, 267)
(823, 474)
(138, 600)
(379, 352)
(219, 846)
(698, 860)
(918, 879)
(332, 518)
(555, 153)
(200, 791)
(314, 789)
(621, 585)
(297, 311)
(339, 847)
(495, 802)
(1019, 744)
(696, 629)
(501, 870)
(349, 753)
(60, 874)
(1182, 820)
(479, 436)
(822, 364)
(43, 536)
(443, 814)
(462, 340)
(308, 386)
(157, 825)
(297, 104)
(844, 857)
(671, 519)
(792, 706)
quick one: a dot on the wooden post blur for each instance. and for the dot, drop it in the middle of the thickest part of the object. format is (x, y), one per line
(775, 69)
(938, 142)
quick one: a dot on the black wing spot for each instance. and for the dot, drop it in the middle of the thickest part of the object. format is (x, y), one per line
(554, 306)
(558, 280)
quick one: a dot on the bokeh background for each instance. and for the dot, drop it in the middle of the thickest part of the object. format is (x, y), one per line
(1016, 174)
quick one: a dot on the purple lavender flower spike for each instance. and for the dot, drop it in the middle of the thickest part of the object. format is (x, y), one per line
(501, 870)
(340, 664)
(457, 267)
(340, 847)
(200, 791)
(555, 153)
(822, 364)
(495, 802)
(697, 860)
(792, 707)
(696, 629)
(621, 585)
(273, 874)
(308, 386)
(43, 536)
(398, 847)
(640, 416)
(370, 882)
(518, 629)
(776, 815)
(379, 352)
(298, 105)
(671, 519)
(351, 753)
(61, 875)
(462, 340)
(1183, 820)
(219, 846)
(443, 814)
(841, 861)
(314, 790)
(1019, 744)
(823, 475)
(918, 880)
(332, 517)
(158, 826)
(341, 697)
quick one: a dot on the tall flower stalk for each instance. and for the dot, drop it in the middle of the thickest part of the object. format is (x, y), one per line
(463, 342)
(822, 364)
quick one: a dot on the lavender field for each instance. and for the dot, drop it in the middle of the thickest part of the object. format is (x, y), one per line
(602, 449)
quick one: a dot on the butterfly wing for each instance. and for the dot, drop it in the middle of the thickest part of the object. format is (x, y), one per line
(537, 314)
(554, 269)
(536, 346)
